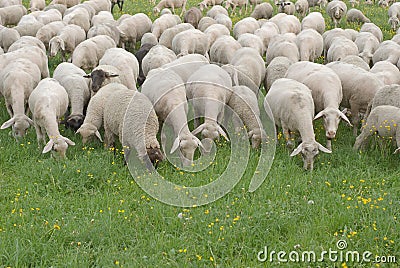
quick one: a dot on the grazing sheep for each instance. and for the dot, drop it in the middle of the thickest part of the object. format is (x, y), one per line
(372, 28)
(387, 95)
(11, 15)
(193, 16)
(236, 3)
(355, 15)
(49, 16)
(190, 41)
(352, 34)
(286, 7)
(80, 17)
(310, 44)
(6, 3)
(35, 5)
(283, 45)
(262, 11)
(90, 10)
(223, 49)
(252, 40)
(367, 44)
(302, 7)
(168, 35)
(102, 17)
(396, 38)
(327, 96)
(224, 20)
(336, 10)
(120, 4)
(215, 31)
(27, 41)
(340, 48)
(7, 37)
(267, 31)
(170, 4)
(59, 7)
(98, 5)
(28, 25)
(314, 20)
(71, 78)
(148, 38)
(216, 8)
(48, 102)
(292, 106)
(387, 72)
(156, 57)
(140, 54)
(205, 22)
(206, 3)
(357, 61)
(163, 23)
(288, 24)
(246, 25)
(166, 90)
(67, 40)
(68, 3)
(17, 81)
(320, 3)
(275, 70)
(384, 120)
(394, 15)
(358, 86)
(353, 3)
(140, 130)
(329, 37)
(387, 51)
(48, 31)
(88, 53)
(108, 29)
(133, 28)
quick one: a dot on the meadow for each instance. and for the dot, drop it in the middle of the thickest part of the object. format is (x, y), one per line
(88, 211)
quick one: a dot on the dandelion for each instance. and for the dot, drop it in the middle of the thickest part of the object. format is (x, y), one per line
(199, 257)
(56, 227)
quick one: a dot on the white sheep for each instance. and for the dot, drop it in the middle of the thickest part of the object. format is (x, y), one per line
(266, 32)
(166, 90)
(59, 7)
(394, 15)
(68, 3)
(384, 120)
(6, 3)
(99, 5)
(224, 20)
(7, 37)
(80, 17)
(170, 4)
(276, 69)
(108, 29)
(205, 22)
(164, 22)
(27, 41)
(387, 95)
(48, 16)
(367, 44)
(236, 3)
(357, 61)
(133, 28)
(336, 10)
(66, 40)
(193, 16)
(353, 3)
(140, 130)
(310, 44)
(314, 20)
(351, 33)
(287, 24)
(156, 57)
(246, 25)
(11, 15)
(149, 38)
(223, 49)
(340, 48)
(283, 45)
(71, 78)
(330, 35)
(320, 3)
(35, 5)
(28, 25)
(372, 28)
(302, 7)
(88, 53)
(215, 31)
(286, 7)
(396, 38)
(387, 72)
(190, 41)
(388, 51)
(262, 11)
(169, 34)
(18, 80)
(48, 102)
(102, 17)
(292, 107)
(355, 15)
(90, 10)
(359, 87)
(206, 3)
(252, 40)
(48, 31)
(327, 96)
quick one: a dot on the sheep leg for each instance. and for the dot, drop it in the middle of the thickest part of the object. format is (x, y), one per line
(397, 141)
(9, 109)
(108, 137)
(355, 117)
(362, 139)
(286, 134)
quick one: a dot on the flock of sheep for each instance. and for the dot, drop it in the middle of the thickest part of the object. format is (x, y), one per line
(196, 58)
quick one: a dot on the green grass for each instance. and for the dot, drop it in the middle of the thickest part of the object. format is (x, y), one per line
(88, 210)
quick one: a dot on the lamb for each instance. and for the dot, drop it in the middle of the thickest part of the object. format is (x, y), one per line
(372, 28)
(262, 11)
(387, 95)
(217, 30)
(246, 25)
(133, 28)
(88, 53)
(224, 20)
(314, 20)
(388, 51)
(48, 16)
(193, 16)
(384, 120)
(223, 49)
(71, 78)
(357, 61)
(148, 38)
(108, 29)
(27, 41)
(286, 7)
(139, 128)
(394, 15)
(156, 57)
(244, 103)
(7, 37)
(11, 15)
(327, 96)
(48, 31)
(35, 5)
(336, 10)
(292, 106)
(168, 35)
(216, 9)
(18, 80)
(67, 39)
(288, 24)
(102, 17)
(236, 3)
(48, 102)
(355, 15)
(310, 44)
(206, 3)
(120, 4)
(28, 26)
(170, 4)
(283, 45)
(302, 7)
(80, 17)
(190, 41)
(210, 88)
(252, 40)
(359, 87)
(367, 44)
(95, 112)
(205, 22)
(387, 72)
(140, 54)
(6, 3)
(275, 70)
(164, 22)
(340, 48)
(166, 91)
(68, 3)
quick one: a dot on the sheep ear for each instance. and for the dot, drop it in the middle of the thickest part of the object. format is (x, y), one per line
(8, 123)
(97, 134)
(48, 146)
(108, 75)
(68, 141)
(87, 76)
(222, 132)
(30, 121)
(198, 129)
(297, 150)
(319, 115)
(175, 145)
(323, 149)
(199, 143)
(344, 117)
(250, 134)
(396, 151)
(62, 45)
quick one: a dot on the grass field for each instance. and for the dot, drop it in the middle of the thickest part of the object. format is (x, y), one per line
(88, 211)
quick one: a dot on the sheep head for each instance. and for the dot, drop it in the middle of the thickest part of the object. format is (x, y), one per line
(332, 118)
(187, 145)
(210, 130)
(98, 77)
(309, 150)
(74, 121)
(56, 43)
(58, 145)
(19, 123)
(87, 130)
